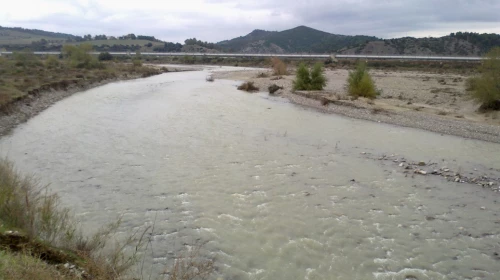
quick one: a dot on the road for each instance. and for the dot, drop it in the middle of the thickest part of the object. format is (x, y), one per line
(307, 56)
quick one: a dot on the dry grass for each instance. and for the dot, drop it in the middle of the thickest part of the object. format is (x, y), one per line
(279, 67)
(248, 86)
(274, 88)
(22, 266)
(191, 266)
(48, 238)
(28, 207)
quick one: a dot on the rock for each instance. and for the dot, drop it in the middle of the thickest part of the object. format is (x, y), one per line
(401, 164)
(407, 167)
(421, 163)
(435, 172)
(483, 208)
(457, 179)
(490, 183)
(421, 172)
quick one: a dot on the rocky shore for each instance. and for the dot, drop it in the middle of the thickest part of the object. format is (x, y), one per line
(429, 101)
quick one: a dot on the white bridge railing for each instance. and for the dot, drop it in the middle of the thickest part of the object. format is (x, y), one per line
(310, 56)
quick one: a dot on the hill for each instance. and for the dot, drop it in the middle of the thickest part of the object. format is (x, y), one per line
(455, 44)
(301, 39)
(17, 38)
(22, 36)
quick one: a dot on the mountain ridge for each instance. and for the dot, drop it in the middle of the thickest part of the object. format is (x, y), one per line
(300, 39)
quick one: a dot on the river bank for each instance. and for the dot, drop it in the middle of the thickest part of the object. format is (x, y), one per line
(435, 102)
(38, 99)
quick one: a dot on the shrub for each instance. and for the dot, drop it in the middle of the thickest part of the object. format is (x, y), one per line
(279, 67)
(52, 61)
(26, 205)
(26, 58)
(318, 79)
(137, 62)
(309, 80)
(470, 83)
(105, 56)
(360, 83)
(80, 57)
(248, 86)
(486, 87)
(302, 78)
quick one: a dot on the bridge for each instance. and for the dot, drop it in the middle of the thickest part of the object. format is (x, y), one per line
(296, 56)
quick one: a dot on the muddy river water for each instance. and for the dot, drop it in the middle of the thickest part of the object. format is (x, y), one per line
(273, 190)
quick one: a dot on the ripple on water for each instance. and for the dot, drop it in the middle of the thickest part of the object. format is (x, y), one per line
(186, 158)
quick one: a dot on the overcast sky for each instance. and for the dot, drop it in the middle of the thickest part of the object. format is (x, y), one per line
(216, 20)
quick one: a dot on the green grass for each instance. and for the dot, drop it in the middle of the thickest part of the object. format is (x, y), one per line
(20, 266)
(360, 83)
(485, 88)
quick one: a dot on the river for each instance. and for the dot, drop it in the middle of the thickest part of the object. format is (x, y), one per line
(272, 190)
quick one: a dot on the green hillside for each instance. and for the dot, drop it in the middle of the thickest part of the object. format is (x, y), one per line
(297, 40)
(19, 36)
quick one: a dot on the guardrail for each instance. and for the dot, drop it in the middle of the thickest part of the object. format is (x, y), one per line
(408, 57)
(310, 56)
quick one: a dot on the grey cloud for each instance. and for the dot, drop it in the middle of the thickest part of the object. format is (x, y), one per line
(383, 18)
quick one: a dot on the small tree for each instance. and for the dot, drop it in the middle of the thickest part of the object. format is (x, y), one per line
(360, 83)
(486, 87)
(79, 56)
(302, 78)
(318, 79)
(309, 80)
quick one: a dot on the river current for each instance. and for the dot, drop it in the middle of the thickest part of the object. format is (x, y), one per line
(273, 190)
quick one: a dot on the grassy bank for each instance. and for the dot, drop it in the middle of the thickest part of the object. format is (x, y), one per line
(24, 74)
(39, 239)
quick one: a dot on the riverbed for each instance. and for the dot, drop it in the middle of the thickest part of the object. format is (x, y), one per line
(273, 190)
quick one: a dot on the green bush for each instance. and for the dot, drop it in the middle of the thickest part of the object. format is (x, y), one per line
(26, 58)
(80, 57)
(360, 83)
(486, 87)
(105, 56)
(302, 78)
(52, 61)
(318, 79)
(309, 80)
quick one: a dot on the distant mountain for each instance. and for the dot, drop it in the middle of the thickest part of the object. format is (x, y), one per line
(459, 44)
(22, 36)
(301, 39)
